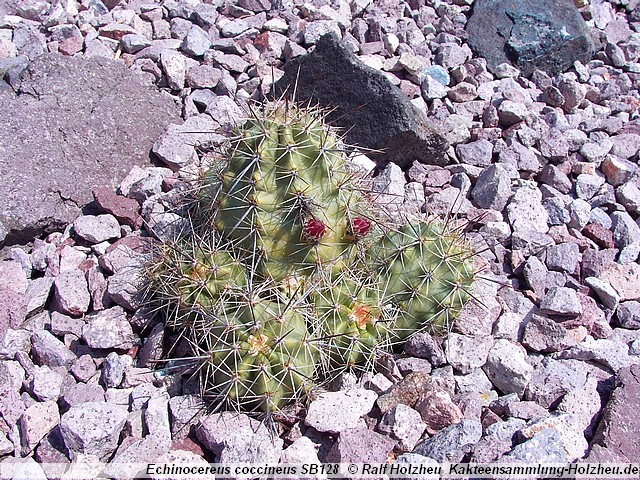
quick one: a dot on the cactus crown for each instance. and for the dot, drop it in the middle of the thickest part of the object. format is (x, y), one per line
(289, 277)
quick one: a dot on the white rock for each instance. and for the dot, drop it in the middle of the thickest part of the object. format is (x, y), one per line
(507, 367)
(72, 292)
(108, 329)
(97, 228)
(92, 428)
(334, 412)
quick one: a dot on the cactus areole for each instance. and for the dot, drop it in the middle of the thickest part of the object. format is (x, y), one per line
(289, 276)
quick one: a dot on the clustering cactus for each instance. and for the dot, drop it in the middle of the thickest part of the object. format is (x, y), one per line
(288, 276)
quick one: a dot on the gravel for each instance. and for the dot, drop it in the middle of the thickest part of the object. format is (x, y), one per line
(543, 168)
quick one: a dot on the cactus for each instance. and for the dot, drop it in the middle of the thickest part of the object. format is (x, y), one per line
(289, 277)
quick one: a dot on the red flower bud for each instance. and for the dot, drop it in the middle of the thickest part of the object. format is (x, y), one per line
(314, 229)
(360, 226)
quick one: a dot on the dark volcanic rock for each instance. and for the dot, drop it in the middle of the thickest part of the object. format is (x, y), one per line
(375, 113)
(547, 35)
(616, 439)
(77, 124)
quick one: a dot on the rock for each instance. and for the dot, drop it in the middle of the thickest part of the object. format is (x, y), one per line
(613, 441)
(478, 153)
(176, 457)
(452, 443)
(186, 411)
(13, 308)
(551, 379)
(400, 132)
(11, 374)
(63, 324)
(493, 188)
(153, 347)
(92, 428)
(625, 230)
(125, 210)
(236, 438)
(628, 314)
(561, 301)
(36, 422)
(573, 93)
(360, 445)
(108, 329)
(618, 170)
(549, 35)
(507, 367)
(466, 353)
(176, 146)
(124, 287)
(336, 411)
(83, 368)
(596, 152)
(628, 195)
(300, 451)
(584, 404)
(437, 410)
(71, 292)
(156, 418)
(610, 353)
(430, 88)
(12, 342)
(96, 229)
(625, 279)
(74, 105)
(174, 66)
(45, 384)
(113, 369)
(497, 440)
(196, 42)
(48, 350)
(542, 334)
(462, 92)
(81, 393)
(422, 345)
(563, 257)
(510, 113)
(404, 424)
(579, 213)
(203, 76)
(526, 212)
(545, 446)
(571, 434)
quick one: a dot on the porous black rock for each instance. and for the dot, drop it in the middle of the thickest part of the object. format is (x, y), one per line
(374, 113)
(547, 35)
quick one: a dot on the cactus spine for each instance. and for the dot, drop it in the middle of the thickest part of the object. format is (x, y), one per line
(289, 276)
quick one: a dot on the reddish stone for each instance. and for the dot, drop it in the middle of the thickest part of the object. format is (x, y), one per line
(126, 210)
(360, 445)
(13, 308)
(187, 444)
(71, 46)
(616, 439)
(598, 234)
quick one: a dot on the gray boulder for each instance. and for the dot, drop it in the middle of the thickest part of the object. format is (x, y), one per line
(100, 110)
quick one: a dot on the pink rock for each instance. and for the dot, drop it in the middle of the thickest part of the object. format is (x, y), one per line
(71, 46)
(438, 410)
(126, 210)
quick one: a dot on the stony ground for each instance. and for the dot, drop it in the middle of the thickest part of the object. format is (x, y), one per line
(545, 368)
